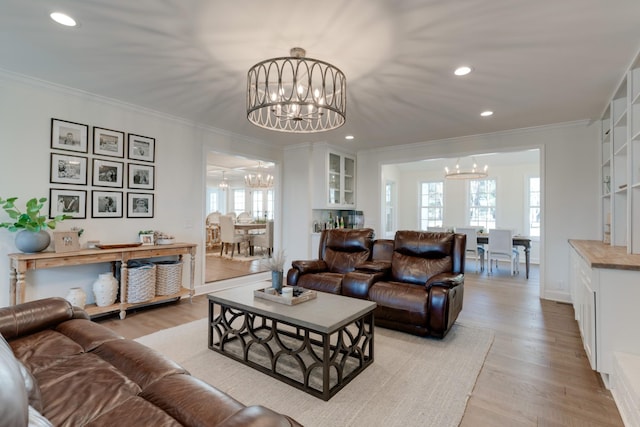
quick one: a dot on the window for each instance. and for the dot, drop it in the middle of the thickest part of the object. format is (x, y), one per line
(534, 206)
(431, 204)
(270, 204)
(257, 203)
(389, 202)
(238, 201)
(213, 201)
(482, 203)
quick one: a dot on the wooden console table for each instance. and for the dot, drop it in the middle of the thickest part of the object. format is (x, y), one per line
(19, 263)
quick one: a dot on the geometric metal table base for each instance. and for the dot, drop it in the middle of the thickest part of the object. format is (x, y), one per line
(320, 364)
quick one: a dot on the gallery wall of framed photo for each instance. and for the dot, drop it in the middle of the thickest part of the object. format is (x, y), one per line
(105, 172)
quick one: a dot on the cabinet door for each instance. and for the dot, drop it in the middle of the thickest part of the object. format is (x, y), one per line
(349, 168)
(587, 322)
(335, 179)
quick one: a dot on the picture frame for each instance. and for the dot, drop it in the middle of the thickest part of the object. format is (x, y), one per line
(108, 142)
(69, 136)
(140, 205)
(106, 204)
(108, 173)
(66, 241)
(67, 169)
(141, 176)
(147, 239)
(141, 148)
(67, 202)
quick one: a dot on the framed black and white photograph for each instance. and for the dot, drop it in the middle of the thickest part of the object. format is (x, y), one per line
(107, 173)
(139, 205)
(106, 204)
(67, 202)
(107, 142)
(142, 148)
(69, 136)
(66, 169)
(141, 176)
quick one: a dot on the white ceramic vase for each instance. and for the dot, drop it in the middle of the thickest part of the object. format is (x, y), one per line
(77, 297)
(105, 289)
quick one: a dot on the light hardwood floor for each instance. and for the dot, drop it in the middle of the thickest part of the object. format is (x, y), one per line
(536, 372)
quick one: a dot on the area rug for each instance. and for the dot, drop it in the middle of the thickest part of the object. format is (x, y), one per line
(413, 381)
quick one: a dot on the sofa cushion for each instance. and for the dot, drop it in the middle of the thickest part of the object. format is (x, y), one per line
(400, 302)
(418, 256)
(14, 403)
(32, 387)
(78, 389)
(40, 350)
(137, 412)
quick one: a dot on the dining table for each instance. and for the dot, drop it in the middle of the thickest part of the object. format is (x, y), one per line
(524, 241)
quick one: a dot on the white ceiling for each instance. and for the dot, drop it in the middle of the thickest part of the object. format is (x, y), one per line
(535, 62)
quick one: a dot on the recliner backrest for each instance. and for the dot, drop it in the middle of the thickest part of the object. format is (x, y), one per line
(343, 249)
(420, 255)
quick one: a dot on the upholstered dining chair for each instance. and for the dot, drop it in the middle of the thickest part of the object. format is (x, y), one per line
(228, 236)
(212, 224)
(264, 240)
(244, 218)
(472, 245)
(501, 247)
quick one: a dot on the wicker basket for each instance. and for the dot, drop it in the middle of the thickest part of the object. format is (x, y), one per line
(142, 283)
(168, 277)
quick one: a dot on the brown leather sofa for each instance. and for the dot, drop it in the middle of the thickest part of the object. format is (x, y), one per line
(339, 252)
(416, 279)
(59, 368)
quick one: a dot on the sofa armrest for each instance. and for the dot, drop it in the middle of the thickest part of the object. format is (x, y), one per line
(357, 283)
(374, 267)
(447, 280)
(313, 266)
(33, 316)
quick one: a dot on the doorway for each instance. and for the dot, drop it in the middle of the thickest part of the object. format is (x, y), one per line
(241, 187)
(423, 196)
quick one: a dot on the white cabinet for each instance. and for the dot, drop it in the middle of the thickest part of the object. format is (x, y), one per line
(335, 179)
(605, 290)
(620, 164)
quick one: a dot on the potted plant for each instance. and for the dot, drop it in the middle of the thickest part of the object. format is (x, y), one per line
(276, 265)
(30, 225)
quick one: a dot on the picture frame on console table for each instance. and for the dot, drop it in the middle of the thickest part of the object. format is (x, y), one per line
(142, 148)
(69, 136)
(67, 202)
(66, 241)
(106, 204)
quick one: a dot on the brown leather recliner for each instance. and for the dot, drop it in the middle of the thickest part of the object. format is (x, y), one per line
(339, 252)
(423, 289)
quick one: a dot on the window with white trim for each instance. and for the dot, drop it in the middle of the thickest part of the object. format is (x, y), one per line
(238, 201)
(482, 203)
(431, 204)
(533, 221)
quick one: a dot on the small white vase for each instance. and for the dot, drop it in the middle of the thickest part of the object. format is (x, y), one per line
(77, 297)
(105, 289)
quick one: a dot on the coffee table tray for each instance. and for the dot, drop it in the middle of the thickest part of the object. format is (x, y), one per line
(271, 295)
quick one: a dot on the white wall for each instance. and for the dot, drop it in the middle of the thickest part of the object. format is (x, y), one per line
(570, 185)
(26, 108)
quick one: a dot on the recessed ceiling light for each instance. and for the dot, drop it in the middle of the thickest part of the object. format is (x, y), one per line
(462, 71)
(63, 19)
(486, 113)
(349, 137)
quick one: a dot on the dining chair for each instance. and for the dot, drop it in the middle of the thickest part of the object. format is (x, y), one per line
(472, 245)
(501, 247)
(212, 225)
(264, 240)
(228, 235)
(244, 218)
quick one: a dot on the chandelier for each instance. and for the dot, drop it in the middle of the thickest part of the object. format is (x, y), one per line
(473, 173)
(224, 184)
(258, 179)
(296, 94)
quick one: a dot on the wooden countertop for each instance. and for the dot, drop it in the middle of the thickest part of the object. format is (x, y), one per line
(601, 255)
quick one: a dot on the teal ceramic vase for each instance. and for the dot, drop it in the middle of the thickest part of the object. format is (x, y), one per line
(276, 280)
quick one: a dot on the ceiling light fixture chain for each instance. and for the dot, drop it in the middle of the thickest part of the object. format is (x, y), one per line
(296, 94)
